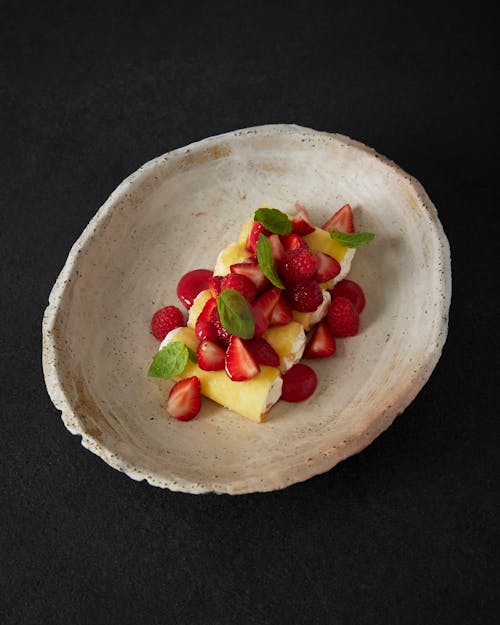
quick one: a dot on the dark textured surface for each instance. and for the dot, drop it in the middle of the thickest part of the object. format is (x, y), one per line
(404, 532)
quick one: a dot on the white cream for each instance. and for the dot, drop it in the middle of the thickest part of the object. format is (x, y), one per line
(274, 393)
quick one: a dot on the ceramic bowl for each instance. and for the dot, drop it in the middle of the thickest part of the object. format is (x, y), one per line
(175, 214)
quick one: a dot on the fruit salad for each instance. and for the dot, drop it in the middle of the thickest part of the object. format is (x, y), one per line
(276, 295)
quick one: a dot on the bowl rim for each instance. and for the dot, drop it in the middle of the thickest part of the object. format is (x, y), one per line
(294, 473)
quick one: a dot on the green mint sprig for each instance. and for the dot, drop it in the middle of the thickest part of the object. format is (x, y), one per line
(171, 360)
(235, 313)
(266, 261)
(273, 220)
(352, 239)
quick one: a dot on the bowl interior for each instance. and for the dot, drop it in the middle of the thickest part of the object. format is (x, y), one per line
(175, 214)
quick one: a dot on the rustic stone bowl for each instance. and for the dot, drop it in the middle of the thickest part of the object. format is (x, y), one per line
(175, 214)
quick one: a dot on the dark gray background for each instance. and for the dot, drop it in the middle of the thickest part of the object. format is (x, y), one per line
(404, 532)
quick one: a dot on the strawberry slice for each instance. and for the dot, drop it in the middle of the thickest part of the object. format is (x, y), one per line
(328, 267)
(263, 353)
(240, 363)
(321, 342)
(292, 241)
(300, 222)
(241, 283)
(276, 246)
(282, 313)
(184, 400)
(262, 309)
(253, 236)
(252, 271)
(211, 356)
(204, 328)
(214, 284)
(342, 220)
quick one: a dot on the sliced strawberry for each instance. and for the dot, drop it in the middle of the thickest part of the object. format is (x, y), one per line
(204, 328)
(300, 222)
(263, 353)
(222, 333)
(352, 291)
(253, 236)
(282, 313)
(321, 342)
(328, 267)
(252, 271)
(263, 307)
(342, 220)
(184, 400)
(299, 208)
(277, 246)
(214, 285)
(211, 356)
(241, 283)
(240, 363)
(292, 241)
(342, 317)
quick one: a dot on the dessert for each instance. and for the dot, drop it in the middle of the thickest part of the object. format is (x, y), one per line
(275, 295)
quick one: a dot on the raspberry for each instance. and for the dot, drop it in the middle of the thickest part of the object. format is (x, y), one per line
(305, 296)
(240, 283)
(164, 320)
(297, 265)
(342, 318)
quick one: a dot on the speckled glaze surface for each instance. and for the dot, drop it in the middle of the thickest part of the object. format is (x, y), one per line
(175, 214)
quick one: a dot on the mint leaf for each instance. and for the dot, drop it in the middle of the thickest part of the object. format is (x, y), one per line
(235, 313)
(169, 361)
(352, 239)
(266, 261)
(274, 220)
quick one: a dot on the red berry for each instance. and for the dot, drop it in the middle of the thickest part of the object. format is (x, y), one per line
(342, 220)
(204, 328)
(351, 291)
(164, 320)
(292, 241)
(305, 296)
(276, 246)
(214, 285)
(263, 308)
(253, 236)
(321, 342)
(192, 283)
(240, 283)
(184, 400)
(211, 356)
(240, 363)
(222, 333)
(254, 272)
(297, 265)
(328, 267)
(300, 222)
(263, 353)
(282, 313)
(342, 317)
(299, 383)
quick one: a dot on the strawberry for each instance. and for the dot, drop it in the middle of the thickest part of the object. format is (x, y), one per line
(252, 271)
(263, 353)
(263, 307)
(321, 342)
(253, 236)
(300, 222)
(305, 296)
(240, 363)
(240, 283)
(297, 265)
(204, 328)
(282, 313)
(184, 400)
(164, 320)
(342, 220)
(328, 267)
(277, 246)
(342, 318)
(214, 285)
(352, 291)
(211, 356)
(292, 241)
(222, 333)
